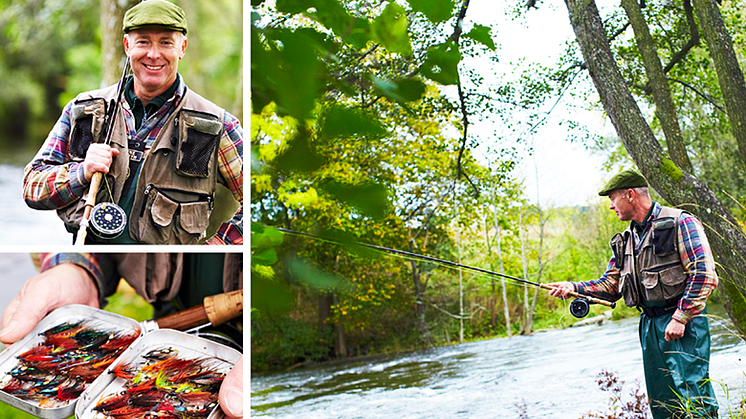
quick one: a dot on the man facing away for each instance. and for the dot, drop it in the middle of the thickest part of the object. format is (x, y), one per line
(661, 264)
(169, 146)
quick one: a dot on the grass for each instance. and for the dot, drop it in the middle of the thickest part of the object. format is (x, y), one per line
(124, 302)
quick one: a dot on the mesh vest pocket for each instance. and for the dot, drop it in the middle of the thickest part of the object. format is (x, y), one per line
(81, 137)
(87, 119)
(200, 134)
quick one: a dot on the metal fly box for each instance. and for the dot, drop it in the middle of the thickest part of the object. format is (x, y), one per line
(11, 365)
(165, 343)
(107, 382)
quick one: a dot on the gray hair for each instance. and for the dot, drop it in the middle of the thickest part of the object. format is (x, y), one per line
(642, 191)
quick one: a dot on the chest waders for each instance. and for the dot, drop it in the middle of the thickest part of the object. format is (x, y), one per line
(653, 279)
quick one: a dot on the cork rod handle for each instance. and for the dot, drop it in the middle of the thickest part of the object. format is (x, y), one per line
(217, 309)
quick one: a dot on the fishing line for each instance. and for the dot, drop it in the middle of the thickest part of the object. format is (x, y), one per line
(579, 307)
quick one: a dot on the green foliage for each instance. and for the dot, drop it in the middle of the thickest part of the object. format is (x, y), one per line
(390, 30)
(84, 62)
(482, 35)
(279, 342)
(126, 302)
(9, 412)
(441, 64)
(435, 10)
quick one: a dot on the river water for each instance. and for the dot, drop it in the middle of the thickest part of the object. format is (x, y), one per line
(21, 225)
(550, 374)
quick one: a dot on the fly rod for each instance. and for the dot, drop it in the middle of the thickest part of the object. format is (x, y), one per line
(216, 310)
(108, 219)
(576, 307)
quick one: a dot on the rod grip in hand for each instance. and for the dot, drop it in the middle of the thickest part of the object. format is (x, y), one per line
(90, 202)
(593, 300)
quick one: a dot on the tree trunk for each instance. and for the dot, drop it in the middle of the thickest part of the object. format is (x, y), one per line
(112, 49)
(677, 187)
(730, 76)
(493, 300)
(658, 83)
(502, 283)
(340, 345)
(460, 280)
(526, 326)
(418, 299)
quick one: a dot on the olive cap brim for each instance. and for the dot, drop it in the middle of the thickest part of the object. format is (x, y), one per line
(625, 179)
(155, 13)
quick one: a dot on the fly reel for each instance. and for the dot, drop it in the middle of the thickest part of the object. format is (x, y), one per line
(107, 220)
(580, 307)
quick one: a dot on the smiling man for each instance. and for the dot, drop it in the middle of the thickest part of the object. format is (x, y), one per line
(169, 146)
(661, 264)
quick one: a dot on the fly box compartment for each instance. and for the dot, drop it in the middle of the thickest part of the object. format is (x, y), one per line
(166, 373)
(74, 359)
(45, 372)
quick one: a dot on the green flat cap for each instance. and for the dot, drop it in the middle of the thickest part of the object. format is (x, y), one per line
(155, 13)
(625, 179)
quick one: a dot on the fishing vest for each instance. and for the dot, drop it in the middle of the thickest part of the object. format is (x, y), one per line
(174, 194)
(161, 276)
(655, 276)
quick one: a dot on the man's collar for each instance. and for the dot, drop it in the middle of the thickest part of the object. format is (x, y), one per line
(156, 102)
(652, 213)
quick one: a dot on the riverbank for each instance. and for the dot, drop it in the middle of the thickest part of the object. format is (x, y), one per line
(557, 318)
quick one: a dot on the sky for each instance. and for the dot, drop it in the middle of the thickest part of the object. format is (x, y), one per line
(568, 174)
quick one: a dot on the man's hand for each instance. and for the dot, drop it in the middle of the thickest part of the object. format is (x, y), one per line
(231, 392)
(98, 158)
(61, 285)
(675, 330)
(561, 289)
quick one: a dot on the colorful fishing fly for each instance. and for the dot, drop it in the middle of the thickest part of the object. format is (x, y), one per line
(70, 357)
(164, 386)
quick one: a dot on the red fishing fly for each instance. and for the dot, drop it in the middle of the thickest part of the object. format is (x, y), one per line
(70, 357)
(164, 386)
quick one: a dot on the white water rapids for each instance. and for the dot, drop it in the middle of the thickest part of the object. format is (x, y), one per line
(548, 375)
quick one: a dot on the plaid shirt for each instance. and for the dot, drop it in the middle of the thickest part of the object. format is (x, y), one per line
(52, 180)
(696, 258)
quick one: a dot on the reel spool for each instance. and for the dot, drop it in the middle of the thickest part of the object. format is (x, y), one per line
(579, 308)
(107, 220)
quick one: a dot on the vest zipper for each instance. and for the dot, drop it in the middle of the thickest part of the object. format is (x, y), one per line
(145, 199)
(201, 197)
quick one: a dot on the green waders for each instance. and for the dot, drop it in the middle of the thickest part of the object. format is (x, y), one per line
(677, 372)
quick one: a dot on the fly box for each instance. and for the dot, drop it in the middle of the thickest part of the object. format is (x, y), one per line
(95, 364)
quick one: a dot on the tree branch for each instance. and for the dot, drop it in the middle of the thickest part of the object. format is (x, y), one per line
(702, 95)
(693, 38)
(456, 37)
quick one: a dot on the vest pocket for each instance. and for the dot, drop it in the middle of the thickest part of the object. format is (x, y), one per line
(664, 284)
(174, 213)
(618, 244)
(663, 236)
(87, 120)
(163, 210)
(628, 290)
(199, 136)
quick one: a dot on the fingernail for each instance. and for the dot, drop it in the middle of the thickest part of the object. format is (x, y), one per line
(234, 403)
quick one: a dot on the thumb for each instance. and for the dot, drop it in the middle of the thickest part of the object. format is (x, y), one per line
(231, 392)
(22, 322)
